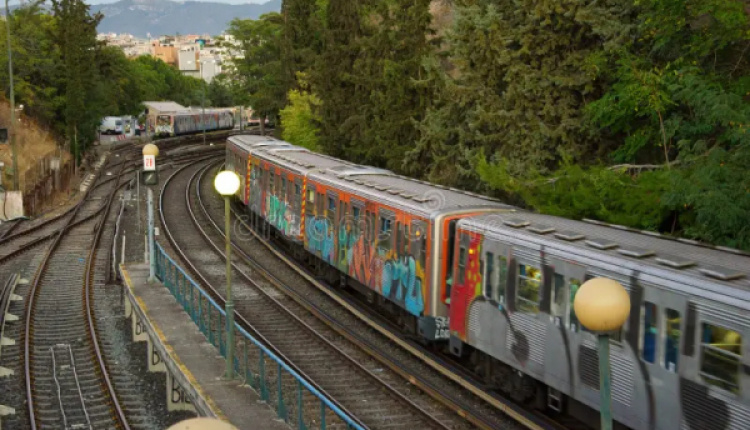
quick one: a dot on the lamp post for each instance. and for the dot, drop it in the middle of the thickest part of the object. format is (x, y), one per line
(602, 305)
(12, 128)
(227, 183)
(150, 152)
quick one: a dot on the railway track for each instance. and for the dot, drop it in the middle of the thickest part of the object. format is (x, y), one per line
(65, 372)
(444, 381)
(342, 372)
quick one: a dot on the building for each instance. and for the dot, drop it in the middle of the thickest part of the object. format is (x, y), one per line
(164, 52)
(187, 61)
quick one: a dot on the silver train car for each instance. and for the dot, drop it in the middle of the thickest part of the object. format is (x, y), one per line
(682, 359)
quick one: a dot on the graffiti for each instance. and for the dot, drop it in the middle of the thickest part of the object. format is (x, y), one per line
(396, 277)
(281, 215)
(320, 238)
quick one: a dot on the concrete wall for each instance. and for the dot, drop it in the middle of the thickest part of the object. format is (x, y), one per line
(11, 205)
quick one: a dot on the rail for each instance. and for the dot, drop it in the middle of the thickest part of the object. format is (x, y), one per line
(210, 318)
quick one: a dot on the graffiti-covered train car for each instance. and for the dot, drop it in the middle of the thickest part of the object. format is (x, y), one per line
(387, 235)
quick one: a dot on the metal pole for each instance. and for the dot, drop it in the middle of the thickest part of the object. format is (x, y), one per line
(605, 383)
(151, 246)
(138, 199)
(203, 103)
(230, 302)
(12, 128)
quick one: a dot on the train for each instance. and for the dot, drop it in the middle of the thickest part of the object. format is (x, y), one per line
(493, 286)
(192, 121)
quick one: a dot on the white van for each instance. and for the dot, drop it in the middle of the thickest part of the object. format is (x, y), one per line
(111, 125)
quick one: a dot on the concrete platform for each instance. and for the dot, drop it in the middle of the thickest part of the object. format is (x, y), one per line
(198, 362)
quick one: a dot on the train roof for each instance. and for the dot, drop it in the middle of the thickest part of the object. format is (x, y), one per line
(299, 159)
(646, 249)
(250, 142)
(376, 184)
(417, 197)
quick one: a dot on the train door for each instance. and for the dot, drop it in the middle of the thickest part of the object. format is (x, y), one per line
(449, 246)
(344, 234)
(331, 241)
(662, 324)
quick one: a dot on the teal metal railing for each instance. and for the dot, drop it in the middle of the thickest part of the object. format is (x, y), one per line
(295, 400)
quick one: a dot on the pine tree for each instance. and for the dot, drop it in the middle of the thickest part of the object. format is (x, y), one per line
(341, 118)
(523, 77)
(76, 38)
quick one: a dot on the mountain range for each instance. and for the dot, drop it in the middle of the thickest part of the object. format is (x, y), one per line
(162, 17)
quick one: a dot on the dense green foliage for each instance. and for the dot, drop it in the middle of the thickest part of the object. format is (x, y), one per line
(628, 111)
(67, 81)
(299, 119)
(261, 82)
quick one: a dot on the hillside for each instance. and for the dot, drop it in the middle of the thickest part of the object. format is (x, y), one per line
(158, 17)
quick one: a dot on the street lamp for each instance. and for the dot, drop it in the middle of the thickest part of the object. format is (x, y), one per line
(227, 183)
(602, 305)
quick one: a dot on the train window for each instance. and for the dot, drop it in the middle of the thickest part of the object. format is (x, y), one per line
(331, 210)
(297, 190)
(461, 264)
(650, 332)
(529, 281)
(489, 274)
(283, 187)
(720, 357)
(671, 339)
(385, 234)
(573, 286)
(560, 298)
(310, 196)
(502, 278)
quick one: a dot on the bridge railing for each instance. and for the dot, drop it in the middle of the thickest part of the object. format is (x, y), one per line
(276, 383)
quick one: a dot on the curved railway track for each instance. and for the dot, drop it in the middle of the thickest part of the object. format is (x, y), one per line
(344, 373)
(65, 372)
(352, 319)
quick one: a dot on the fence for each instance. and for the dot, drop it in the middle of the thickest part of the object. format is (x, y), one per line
(41, 180)
(257, 365)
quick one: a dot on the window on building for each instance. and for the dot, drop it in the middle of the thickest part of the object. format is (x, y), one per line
(489, 275)
(461, 265)
(650, 332)
(560, 297)
(671, 339)
(721, 350)
(529, 282)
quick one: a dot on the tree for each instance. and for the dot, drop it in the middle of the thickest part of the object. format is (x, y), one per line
(523, 77)
(260, 71)
(299, 120)
(75, 34)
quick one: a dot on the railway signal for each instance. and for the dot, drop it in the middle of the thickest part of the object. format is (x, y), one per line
(149, 176)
